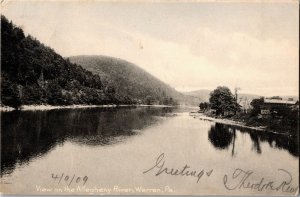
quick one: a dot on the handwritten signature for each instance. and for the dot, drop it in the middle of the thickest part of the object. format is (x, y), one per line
(241, 179)
(160, 168)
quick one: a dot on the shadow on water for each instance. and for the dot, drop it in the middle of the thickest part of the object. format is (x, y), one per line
(224, 137)
(26, 135)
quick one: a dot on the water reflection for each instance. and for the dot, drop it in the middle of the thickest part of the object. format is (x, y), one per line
(256, 142)
(222, 136)
(26, 135)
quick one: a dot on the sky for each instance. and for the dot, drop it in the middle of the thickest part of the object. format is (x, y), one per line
(190, 46)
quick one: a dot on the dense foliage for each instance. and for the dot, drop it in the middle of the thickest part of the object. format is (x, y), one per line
(204, 106)
(222, 100)
(33, 73)
(256, 105)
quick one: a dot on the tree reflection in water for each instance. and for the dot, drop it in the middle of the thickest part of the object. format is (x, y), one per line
(222, 136)
(29, 134)
(256, 142)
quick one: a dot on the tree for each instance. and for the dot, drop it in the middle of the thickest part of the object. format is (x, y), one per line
(54, 93)
(257, 104)
(169, 101)
(110, 91)
(221, 99)
(204, 106)
(9, 93)
(32, 94)
(149, 100)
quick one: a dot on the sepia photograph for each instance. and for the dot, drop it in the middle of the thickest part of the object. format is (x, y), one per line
(149, 97)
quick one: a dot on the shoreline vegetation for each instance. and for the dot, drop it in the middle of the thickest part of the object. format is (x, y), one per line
(239, 123)
(227, 121)
(51, 107)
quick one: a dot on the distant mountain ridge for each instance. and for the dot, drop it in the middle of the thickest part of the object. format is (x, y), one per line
(130, 80)
(203, 94)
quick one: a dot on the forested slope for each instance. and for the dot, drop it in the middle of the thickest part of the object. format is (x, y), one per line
(129, 80)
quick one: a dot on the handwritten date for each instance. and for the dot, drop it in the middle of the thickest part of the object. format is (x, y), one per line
(64, 178)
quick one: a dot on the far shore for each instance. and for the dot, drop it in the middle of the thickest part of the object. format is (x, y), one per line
(202, 116)
(50, 107)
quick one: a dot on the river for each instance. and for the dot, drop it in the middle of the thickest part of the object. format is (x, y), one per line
(132, 150)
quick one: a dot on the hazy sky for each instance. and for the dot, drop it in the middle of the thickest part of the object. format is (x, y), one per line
(190, 46)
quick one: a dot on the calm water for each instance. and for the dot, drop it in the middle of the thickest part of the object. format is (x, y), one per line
(109, 149)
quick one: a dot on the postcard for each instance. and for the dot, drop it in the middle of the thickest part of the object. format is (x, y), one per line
(147, 97)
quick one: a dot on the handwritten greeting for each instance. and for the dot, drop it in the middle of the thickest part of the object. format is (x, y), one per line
(160, 168)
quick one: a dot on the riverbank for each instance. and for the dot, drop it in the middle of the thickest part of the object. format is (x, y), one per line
(202, 116)
(51, 107)
(243, 122)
